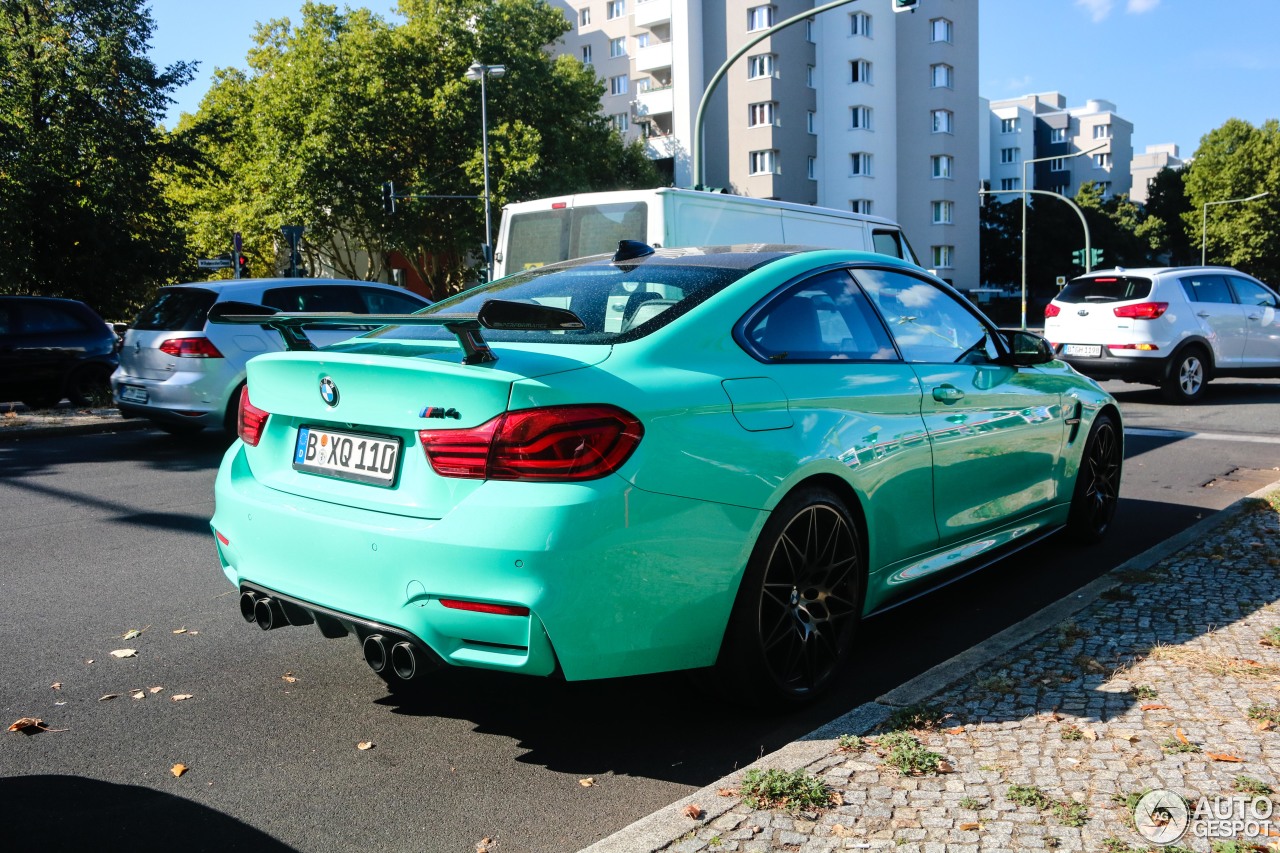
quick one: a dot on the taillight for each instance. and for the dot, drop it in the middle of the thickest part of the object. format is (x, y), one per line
(557, 443)
(190, 348)
(252, 420)
(1052, 310)
(1142, 310)
(485, 607)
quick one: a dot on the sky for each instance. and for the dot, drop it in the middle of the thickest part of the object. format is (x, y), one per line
(1177, 69)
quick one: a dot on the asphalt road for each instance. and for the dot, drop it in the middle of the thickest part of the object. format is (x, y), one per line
(104, 534)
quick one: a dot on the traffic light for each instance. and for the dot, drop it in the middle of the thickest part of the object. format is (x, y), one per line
(1077, 257)
(242, 266)
(1095, 257)
(905, 5)
(388, 198)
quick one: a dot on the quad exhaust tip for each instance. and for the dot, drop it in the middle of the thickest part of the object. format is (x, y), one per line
(404, 661)
(375, 652)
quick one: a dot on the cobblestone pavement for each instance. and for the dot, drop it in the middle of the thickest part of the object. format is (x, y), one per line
(1169, 679)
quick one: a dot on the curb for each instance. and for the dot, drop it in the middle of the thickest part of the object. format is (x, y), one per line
(44, 431)
(667, 825)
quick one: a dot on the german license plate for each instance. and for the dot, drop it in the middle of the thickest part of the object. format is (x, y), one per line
(133, 394)
(361, 457)
(1083, 350)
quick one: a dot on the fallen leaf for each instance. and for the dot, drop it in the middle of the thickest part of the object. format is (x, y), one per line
(1265, 726)
(179, 697)
(1155, 707)
(178, 769)
(138, 694)
(1222, 756)
(57, 685)
(954, 731)
(132, 634)
(32, 725)
(836, 798)
(1132, 737)
(365, 745)
(1246, 661)
(1089, 734)
(969, 827)
(124, 653)
(840, 829)
(180, 631)
(289, 677)
(1180, 736)
(154, 689)
(587, 782)
(693, 812)
(108, 696)
(726, 792)
(946, 767)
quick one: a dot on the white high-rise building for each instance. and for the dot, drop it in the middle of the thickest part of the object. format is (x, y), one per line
(859, 108)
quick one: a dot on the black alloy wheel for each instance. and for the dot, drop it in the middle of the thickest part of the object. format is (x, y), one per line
(1097, 489)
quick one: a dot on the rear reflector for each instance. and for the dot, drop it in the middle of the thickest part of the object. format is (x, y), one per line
(557, 443)
(485, 607)
(224, 540)
(1141, 310)
(559, 205)
(190, 348)
(1143, 347)
(1052, 310)
(252, 420)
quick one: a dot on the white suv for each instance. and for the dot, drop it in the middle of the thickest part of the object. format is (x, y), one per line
(185, 374)
(1175, 327)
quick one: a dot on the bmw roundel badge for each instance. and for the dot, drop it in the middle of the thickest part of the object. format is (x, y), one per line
(328, 392)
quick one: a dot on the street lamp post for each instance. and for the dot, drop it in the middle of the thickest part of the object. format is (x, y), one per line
(1025, 164)
(480, 71)
(1204, 218)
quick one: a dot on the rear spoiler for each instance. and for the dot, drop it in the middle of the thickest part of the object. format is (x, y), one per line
(493, 314)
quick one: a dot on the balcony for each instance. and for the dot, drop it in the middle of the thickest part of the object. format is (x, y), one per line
(650, 13)
(654, 56)
(654, 102)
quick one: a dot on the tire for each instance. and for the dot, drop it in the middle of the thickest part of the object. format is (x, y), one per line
(798, 606)
(90, 385)
(40, 401)
(1097, 489)
(1188, 375)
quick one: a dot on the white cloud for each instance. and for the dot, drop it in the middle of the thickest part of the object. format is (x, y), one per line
(1100, 9)
(1138, 7)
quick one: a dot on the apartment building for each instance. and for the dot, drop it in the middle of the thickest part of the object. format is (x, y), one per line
(858, 108)
(1148, 164)
(1071, 145)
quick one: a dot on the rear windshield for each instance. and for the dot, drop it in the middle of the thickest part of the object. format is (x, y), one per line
(615, 302)
(1112, 288)
(548, 236)
(176, 309)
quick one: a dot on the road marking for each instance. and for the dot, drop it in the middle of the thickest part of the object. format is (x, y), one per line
(1207, 436)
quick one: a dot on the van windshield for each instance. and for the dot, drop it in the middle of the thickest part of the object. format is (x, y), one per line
(548, 236)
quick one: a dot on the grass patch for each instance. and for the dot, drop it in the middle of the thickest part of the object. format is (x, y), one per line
(1068, 812)
(850, 743)
(915, 718)
(1173, 746)
(1250, 785)
(1265, 713)
(1235, 845)
(905, 754)
(1069, 632)
(1272, 638)
(1072, 733)
(995, 684)
(1143, 691)
(1215, 664)
(1118, 594)
(972, 803)
(780, 789)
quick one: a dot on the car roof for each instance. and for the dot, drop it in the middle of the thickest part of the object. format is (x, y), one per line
(233, 285)
(1153, 271)
(743, 256)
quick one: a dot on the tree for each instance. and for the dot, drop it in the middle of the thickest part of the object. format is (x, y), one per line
(1114, 222)
(81, 212)
(1165, 229)
(1236, 161)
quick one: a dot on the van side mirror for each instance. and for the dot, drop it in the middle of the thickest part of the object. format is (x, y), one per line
(1026, 348)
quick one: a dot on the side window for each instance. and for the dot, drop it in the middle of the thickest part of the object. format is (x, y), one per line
(330, 298)
(1251, 293)
(887, 243)
(378, 301)
(39, 318)
(824, 318)
(927, 323)
(1206, 288)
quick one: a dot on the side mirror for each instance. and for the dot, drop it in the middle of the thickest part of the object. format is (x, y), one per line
(1026, 348)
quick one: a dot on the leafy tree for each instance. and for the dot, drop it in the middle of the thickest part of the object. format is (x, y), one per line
(81, 214)
(1113, 227)
(1236, 161)
(1164, 229)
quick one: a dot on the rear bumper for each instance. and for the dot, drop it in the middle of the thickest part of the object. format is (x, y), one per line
(183, 398)
(611, 582)
(1133, 366)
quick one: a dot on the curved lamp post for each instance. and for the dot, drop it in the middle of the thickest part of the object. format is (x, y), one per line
(481, 72)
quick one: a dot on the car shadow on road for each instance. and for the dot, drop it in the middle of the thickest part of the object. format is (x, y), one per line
(75, 814)
(147, 448)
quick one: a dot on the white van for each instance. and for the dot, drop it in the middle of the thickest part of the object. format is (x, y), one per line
(547, 230)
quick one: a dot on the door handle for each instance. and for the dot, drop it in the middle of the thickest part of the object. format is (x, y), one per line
(948, 394)
(1205, 314)
(1255, 316)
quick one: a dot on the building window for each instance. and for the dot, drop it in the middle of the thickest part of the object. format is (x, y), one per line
(860, 118)
(811, 121)
(942, 121)
(763, 162)
(759, 18)
(644, 84)
(860, 164)
(943, 256)
(1058, 164)
(813, 168)
(1103, 160)
(642, 40)
(860, 24)
(1061, 189)
(940, 30)
(860, 71)
(615, 9)
(584, 18)
(808, 76)
(1008, 155)
(1105, 186)
(618, 85)
(1008, 125)
(1102, 131)
(621, 122)
(808, 31)
(760, 115)
(860, 205)
(586, 54)
(942, 212)
(618, 47)
(1007, 184)
(1058, 134)
(759, 66)
(941, 74)
(942, 165)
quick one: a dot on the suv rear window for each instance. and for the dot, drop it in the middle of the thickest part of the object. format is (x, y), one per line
(1110, 288)
(177, 309)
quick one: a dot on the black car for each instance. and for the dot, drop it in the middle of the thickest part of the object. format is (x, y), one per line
(51, 349)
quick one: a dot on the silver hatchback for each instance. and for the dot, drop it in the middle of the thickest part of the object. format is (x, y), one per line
(185, 374)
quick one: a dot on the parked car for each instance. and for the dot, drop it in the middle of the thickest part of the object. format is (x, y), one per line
(185, 375)
(772, 443)
(51, 349)
(1175, 327)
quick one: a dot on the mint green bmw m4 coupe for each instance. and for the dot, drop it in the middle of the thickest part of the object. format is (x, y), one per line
(720, 458)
